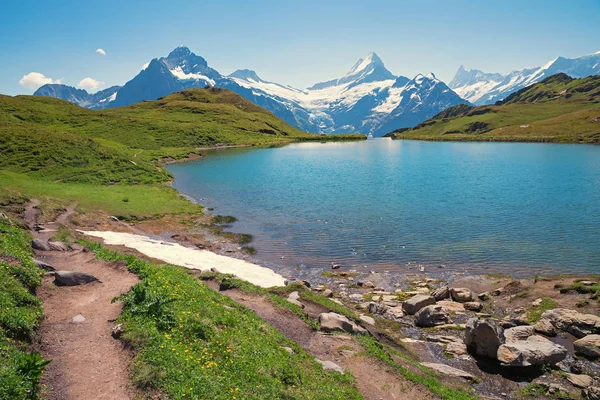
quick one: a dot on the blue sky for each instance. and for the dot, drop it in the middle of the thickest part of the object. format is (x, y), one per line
(297, 43)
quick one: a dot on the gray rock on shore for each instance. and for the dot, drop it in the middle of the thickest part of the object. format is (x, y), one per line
(588, 346)
(462, 295)
(414, 304)
(441, 293)
(576, 323)
(484, 337)
(430, 316)
(534, 351)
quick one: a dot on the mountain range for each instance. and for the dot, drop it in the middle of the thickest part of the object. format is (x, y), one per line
(369, 99)
(481, 88)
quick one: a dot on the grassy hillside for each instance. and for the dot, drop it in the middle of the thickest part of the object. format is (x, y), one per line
(110, 159)
(557, 109)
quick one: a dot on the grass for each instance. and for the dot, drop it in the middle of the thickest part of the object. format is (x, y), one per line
(20, 313)
(427, 377)
(579, 287)
(554, 110)
(192, 342)
(535, 313)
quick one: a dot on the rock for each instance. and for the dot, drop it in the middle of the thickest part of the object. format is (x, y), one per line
(497, 292)
(117, 331)
(431, 316)
(587, 283)
(329, 365)
(462, 295)
(38, 244)
(451, 306)
(512, 321)
(305, 283)
(367, 319)
(356, 297)
(113, 218)
(332, 322)
(588, 346)
(556, 389)
(289, 350)
(393, 303)
(319, 288)
(78, 319)
(294, 299)
(456, 348)
(581, 381)
(485, 296)
(592, 393)
(43, 265)
(327, 293)
(296, 303)
(335, 266)
(366, 284)
(536, 303)
(473, 306)
(441, 293)
(388, 297)
(545, 327)
(483, 337)
(448, 370)
(576, 323)
(414, 304)
(393, 313)
(71, 278)
(533, 351)
(518, 333)
(58, 246)
(444, 339)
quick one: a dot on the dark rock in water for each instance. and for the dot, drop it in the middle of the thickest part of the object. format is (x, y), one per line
(72, 278)
(483, 337)
(43, 265)
(38, 244)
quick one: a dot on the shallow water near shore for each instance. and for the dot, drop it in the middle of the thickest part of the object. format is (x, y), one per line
(516, 208)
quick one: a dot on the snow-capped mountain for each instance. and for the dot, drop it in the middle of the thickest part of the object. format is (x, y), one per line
(367, 99)
(79, 96)
(485, 88)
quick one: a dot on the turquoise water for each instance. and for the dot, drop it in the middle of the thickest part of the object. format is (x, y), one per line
(481, 207)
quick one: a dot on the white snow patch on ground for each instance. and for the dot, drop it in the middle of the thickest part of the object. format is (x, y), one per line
(203, 260)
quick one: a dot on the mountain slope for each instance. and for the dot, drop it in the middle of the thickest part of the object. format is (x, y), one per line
(54, 139)
(483, 88)
(557, 109)
(354, 102)
(82, 98)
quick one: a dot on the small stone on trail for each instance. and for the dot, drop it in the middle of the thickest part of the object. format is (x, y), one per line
(71, 278)
(329, 365)
(117, 331)
(78, 319)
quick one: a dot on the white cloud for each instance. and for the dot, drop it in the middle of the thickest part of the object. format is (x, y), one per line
(145, 66)
(89, 83)
(34, 80)
(101, 52)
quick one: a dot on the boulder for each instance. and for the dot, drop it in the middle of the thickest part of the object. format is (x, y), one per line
(473, 306)
(485, 296)
(366, 284)
(462, 295)
(368, 320)
(393, 313)
(454, 345)
(327, 293)
(377, 308)
(588, 346)
(483, 337)
(294, 298)
(38, 244)
(451, 306)
(414, 304)
(433, 315)
(330, 365)
(448, 370)
(71, 278)
(58, 246)
(441, 293)
(332, 322)
(533, 351)
(43, 265)
(545, 327)
(576, 323)
(581, 381)
(592, 393)
(518, 333)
